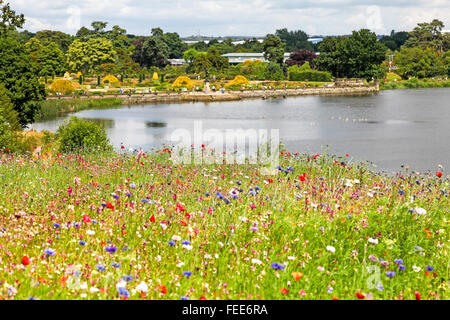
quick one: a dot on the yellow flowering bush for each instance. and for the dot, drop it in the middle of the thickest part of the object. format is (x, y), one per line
(238, 80)
(183, 81)
(155, 76)
(110, 79)
(63, 86)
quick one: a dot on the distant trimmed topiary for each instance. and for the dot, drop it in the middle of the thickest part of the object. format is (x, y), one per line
(81, 135)
(238, 81)
(110, 79)
(183, 81)
(63, 86)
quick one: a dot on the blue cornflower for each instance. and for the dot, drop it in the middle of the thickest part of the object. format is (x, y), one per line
(145, 201)
(132, 185)
(279, 168)
(401, 192)
(277, 266)
(33, 298)
(226, 200)
(184, 298)
(257, 188)
(127, 278)
(82, 243)
(398, 261)
(115, 196)
(124, 292)
(94, 221)
(401, 267)
(104, 204)
(234, 196)
(418, 248)
(77, 225)
(207, 194)
(100, 268)
(111, 249)
(290, 169)
(390, 274)
(238, 183)
(220, 195)
(187, 274)
(185, 242)
(115, 264)
(56, 225)
(380, 287)
(429, 268)
(125, 248)
(172, 243)
(128, 194)
(343, 163)
(49, 252)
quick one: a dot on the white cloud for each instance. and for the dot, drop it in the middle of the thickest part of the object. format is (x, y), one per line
(235, 17)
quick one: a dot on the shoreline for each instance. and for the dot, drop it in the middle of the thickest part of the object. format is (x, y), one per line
(139, 98)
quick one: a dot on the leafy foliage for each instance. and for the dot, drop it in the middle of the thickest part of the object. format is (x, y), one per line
(62, 86)
(273, 49)
(19, 76)
(79, 134)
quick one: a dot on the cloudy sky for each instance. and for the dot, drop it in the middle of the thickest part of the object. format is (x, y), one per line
(233, 17)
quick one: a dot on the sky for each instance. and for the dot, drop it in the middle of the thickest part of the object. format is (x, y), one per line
(233, 17)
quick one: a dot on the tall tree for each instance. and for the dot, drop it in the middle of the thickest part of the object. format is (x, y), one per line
(294, 40)
(19, 76)
(357, 56)
(88, 55)
(9, 20)
(427, 35)
(273, 49)
(155, 51)
(63, 40)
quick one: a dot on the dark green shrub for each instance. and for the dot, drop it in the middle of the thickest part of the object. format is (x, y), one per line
(310, 75)
(82, 135)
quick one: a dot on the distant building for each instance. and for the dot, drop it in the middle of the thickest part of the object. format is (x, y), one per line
(240, 57)
(315, 40)
(177, 62)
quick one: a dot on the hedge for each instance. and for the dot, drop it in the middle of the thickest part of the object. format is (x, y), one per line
(310, 75)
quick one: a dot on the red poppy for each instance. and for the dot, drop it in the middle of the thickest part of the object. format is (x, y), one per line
(439, 174)
(202, 298)
(302, 178)
(335, 298)
(152, 218)
(123, 147)
(25, 261)
(183, 223)
(187, 215)
(162, 288)
(417, 294)
(360, 295)
(284, 291)
(109, 206)
(86, 218)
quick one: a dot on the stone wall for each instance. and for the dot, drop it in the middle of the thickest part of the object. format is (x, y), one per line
(140, 98)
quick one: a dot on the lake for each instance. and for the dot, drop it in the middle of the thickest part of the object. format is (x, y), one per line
(393, 128)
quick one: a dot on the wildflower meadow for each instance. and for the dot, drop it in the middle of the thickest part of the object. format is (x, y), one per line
(122, 225)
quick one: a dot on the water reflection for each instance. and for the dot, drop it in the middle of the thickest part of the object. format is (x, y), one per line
(391, 129)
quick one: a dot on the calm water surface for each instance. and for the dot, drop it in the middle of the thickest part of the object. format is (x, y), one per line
(394, 128)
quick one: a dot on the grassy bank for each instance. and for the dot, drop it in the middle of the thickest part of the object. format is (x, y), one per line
(53, 108)
(116, 226)
(414, 84)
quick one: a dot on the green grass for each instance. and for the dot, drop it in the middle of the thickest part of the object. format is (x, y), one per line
(54, 108)
(287, 221)
(414, 84)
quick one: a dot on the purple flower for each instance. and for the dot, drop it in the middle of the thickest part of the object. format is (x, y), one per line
(172, 243)
(401, 267)
(123, 292)
(127, 278)
(187, 274)
(398, 261)
(429, 268)
(82, 243)
(115, 264)
(277, 266)
(56, 225)
(390, 274)
(184, 298)
(100, 268)
(111, 249)
(49, 252)
(185, 242)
